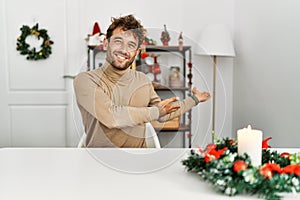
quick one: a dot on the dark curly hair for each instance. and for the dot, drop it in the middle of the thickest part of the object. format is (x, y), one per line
(130, 23)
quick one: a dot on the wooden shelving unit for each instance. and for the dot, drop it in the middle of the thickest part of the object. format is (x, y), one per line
(185, 53)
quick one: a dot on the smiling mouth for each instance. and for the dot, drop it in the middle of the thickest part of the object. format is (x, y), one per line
(121, 57)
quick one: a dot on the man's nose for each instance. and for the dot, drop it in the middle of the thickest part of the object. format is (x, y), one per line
(124, 49)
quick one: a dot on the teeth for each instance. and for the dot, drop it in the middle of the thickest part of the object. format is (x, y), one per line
(121, 57)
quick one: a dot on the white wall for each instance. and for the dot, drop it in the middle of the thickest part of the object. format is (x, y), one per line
(76, 19)
(266, 69)
(198, 14)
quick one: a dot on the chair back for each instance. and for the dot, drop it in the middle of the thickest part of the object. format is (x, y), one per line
(152, 140)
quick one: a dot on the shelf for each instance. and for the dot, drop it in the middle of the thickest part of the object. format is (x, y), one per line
(91, 46)
(166, 88)
(152, 48)
(171, 89)
(181, 128)
(94, 46)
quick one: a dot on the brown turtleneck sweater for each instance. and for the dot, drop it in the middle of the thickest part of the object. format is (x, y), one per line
(116, 104)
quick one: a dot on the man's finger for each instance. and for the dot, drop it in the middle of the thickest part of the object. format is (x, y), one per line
(194, 89)
(170, 100)
(174, 108)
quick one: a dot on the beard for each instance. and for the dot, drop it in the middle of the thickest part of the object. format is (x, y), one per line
(119, 60)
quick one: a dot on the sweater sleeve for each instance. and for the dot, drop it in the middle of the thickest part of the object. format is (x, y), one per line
(95, 101)
(185, 106)
(154, 98)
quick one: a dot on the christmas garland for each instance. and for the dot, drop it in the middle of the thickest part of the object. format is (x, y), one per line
(31, 53)
(234, 174)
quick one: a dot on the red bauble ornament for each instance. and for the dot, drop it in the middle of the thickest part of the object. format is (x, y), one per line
(266, 172)
(239, 165)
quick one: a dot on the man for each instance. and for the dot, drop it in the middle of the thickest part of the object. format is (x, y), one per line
(115, 102)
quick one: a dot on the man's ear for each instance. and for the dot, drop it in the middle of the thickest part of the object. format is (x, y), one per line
(105, 44)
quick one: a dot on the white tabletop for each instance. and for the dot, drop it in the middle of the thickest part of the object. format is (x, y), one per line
(63, 174)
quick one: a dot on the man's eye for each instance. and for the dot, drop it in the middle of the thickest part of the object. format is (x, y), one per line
(132, 46)
(117, 41)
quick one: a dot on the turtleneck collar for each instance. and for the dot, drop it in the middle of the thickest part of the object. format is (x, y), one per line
(116, 75)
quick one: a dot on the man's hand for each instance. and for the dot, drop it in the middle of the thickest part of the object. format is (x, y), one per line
(202, 96)
(165, 107)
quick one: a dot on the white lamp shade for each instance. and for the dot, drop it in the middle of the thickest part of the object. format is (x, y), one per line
(215, 40)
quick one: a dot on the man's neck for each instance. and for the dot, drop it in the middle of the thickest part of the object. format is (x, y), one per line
(116, 74)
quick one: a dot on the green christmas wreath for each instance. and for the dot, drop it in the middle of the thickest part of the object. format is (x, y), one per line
(234, 174)
(32, 53)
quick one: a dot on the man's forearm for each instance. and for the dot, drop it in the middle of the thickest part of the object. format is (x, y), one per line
(185, 105)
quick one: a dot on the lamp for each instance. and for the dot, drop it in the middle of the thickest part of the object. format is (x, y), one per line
(215, 40)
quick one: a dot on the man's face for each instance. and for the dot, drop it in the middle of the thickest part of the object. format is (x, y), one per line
(122, 49)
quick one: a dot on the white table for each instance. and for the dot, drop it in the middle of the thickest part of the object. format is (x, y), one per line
(63, 174)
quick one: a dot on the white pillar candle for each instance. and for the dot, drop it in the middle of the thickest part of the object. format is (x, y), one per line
(250, 142)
